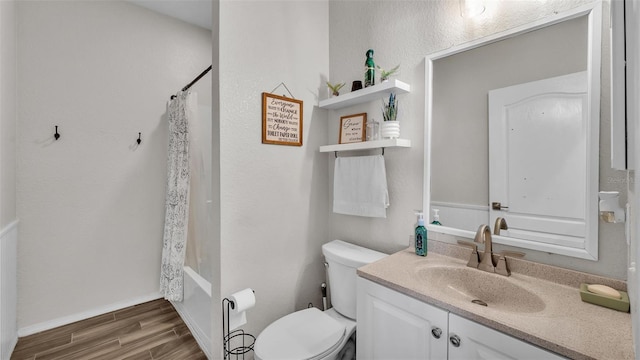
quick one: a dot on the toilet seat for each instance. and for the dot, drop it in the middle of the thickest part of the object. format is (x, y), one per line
(303, 335)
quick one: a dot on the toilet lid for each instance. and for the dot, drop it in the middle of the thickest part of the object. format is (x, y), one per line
(301, 335)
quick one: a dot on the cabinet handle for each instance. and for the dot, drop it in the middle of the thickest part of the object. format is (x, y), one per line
(455, 340)
(436, 332)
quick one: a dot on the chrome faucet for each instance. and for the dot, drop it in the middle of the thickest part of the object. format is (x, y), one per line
(501, 224)
(483, 236)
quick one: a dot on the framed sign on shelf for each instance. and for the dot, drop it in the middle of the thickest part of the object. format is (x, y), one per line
(352, 128)
(281, 120)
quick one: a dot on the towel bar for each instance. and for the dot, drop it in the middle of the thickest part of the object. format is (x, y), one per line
(336, 153)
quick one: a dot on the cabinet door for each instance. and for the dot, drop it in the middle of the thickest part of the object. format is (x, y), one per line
(395, 326)
(476, 341)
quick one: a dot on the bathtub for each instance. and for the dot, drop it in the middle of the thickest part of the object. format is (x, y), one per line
(195, 308)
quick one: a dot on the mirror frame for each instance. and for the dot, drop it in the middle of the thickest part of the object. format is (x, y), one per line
(594, 38)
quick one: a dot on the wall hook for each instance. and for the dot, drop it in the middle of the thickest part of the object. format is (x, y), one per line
(56, 135)
(139, 139)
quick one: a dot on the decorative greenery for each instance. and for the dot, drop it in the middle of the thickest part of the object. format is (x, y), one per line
(384, 74)
(390, 109)
(335, 88)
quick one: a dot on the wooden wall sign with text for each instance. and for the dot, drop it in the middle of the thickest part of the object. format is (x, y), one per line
(352, 128)
(281, 120)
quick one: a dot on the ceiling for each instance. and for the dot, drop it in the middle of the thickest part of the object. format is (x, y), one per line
(196, 12)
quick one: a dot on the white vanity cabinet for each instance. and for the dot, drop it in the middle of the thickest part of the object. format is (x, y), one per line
(395, 326)
(470, 340)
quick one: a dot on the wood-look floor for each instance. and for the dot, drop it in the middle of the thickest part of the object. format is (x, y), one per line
(149, 331)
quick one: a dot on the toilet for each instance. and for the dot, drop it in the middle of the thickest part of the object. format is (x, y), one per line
(312, 334)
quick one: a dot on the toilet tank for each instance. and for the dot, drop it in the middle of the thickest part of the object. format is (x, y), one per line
(343, 260)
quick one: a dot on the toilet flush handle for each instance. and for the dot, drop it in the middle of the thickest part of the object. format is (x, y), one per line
(326, 301)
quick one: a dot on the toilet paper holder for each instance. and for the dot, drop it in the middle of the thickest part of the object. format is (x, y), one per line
(236, 343)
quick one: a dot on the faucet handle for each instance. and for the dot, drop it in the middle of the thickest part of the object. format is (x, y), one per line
(474, 260)
(502, 267)
(501, 224)
(513, 254)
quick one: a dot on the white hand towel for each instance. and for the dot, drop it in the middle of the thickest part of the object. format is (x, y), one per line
(360, 186)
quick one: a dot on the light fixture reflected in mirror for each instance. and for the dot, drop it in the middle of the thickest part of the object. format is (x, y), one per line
(471, 8)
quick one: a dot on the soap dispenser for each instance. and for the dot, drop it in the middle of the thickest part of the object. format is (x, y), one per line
(421, 235)
(436, 218)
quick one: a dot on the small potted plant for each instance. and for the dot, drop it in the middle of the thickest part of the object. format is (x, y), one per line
(390, 128)
(384, 74)
(335, 88)
(390, 109)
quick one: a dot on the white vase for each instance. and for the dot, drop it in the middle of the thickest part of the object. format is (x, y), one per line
(390, 129)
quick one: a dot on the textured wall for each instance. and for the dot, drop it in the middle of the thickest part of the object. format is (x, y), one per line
(404, 32)
(633, 116)
(8, 221)
(7, 113)
(92, 203)
(8, 289)
(216, 280)
(274, 204)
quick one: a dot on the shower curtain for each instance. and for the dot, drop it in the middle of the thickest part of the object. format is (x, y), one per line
(180, 113)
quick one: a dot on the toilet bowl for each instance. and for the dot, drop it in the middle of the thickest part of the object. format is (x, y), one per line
(305, 334)
(311, 334)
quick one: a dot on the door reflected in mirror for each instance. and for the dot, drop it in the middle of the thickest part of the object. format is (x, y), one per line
(514, 120)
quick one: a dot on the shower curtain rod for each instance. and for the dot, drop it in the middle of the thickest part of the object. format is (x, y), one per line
(195, 80)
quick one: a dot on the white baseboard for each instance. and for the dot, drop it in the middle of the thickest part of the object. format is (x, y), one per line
(51, 324)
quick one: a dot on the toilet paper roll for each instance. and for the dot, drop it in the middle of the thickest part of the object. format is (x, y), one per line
(242, 301)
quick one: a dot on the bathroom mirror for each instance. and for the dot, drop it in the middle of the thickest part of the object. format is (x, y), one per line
(512, 131)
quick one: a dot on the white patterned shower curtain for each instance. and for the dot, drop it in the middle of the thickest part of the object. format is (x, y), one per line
(176, 222)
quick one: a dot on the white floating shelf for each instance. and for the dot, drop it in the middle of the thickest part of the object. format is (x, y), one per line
(367, 94)
(365, 145)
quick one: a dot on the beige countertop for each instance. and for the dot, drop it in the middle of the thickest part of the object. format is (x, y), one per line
(564, 324)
